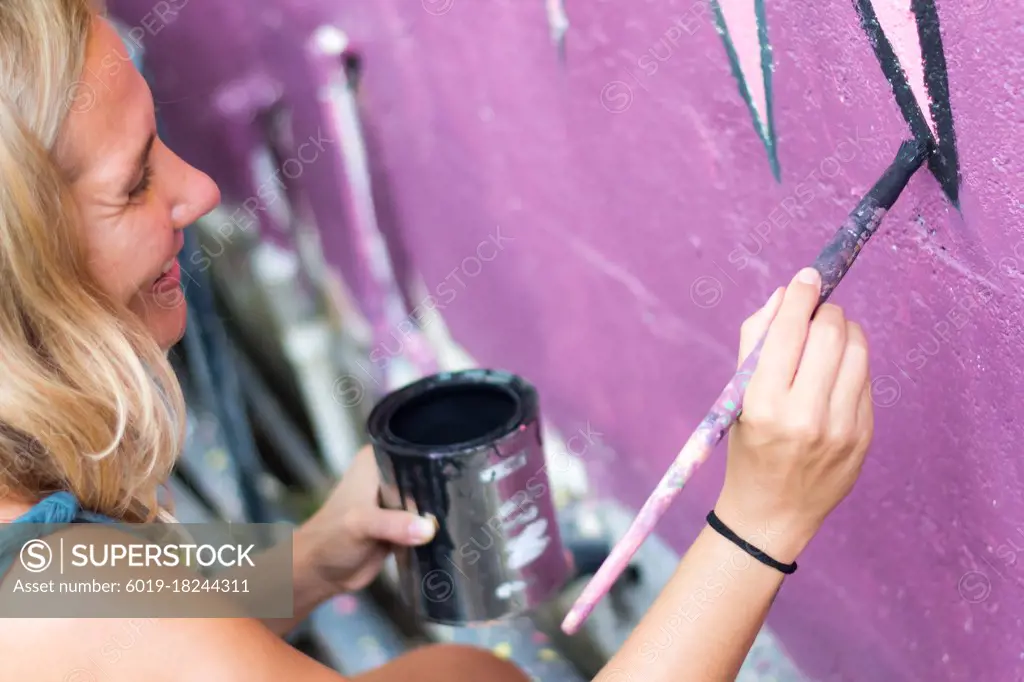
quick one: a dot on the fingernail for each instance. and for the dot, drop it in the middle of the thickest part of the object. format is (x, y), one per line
(423, 528)
(808, 276)
(774, 297)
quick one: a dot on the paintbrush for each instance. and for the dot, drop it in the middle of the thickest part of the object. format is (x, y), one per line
(833, 263)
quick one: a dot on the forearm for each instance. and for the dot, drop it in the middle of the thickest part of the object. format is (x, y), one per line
(705, 620)
(309, 590)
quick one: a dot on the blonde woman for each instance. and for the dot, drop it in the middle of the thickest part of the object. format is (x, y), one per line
(92, 205)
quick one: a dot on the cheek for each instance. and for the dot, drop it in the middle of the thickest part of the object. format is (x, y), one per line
(121, 257)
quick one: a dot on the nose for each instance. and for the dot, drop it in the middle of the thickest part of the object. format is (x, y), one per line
(197, 196)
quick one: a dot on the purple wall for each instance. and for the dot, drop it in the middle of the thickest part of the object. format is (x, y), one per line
(645, 224)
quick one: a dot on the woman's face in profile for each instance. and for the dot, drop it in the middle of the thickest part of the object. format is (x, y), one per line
(135, 194)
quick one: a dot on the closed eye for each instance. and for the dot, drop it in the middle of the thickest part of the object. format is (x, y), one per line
(143, 169)
(143, 185)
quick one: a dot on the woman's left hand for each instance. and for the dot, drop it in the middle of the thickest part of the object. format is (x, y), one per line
(350, 536)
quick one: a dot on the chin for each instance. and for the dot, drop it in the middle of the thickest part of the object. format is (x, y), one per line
(164, 314)
(166, 324)
(171, 328)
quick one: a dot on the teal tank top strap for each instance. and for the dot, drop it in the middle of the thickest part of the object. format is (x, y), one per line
(48, 516)
(61, 507)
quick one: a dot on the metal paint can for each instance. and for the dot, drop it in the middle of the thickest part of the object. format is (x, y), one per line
(467, 448)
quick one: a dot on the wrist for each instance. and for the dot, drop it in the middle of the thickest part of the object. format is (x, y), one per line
(307, 568)
(780, 535)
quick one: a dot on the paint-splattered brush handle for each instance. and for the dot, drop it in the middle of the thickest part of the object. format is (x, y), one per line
(833, 263)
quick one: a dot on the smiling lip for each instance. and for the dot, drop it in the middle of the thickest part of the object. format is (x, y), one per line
(171, 276)
(171, 269)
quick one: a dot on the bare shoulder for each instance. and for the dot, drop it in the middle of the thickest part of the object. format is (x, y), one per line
(38, 640)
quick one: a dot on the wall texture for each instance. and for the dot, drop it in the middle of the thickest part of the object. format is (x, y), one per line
(651, 182)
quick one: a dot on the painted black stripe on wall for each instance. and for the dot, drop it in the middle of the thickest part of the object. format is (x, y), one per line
(937, 82)
(944, 164)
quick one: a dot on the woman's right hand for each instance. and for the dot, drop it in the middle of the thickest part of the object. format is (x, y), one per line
(806, 424)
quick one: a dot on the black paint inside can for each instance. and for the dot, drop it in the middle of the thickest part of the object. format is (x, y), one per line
(454, 415)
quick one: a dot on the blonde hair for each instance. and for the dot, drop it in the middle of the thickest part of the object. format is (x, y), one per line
(88, 402)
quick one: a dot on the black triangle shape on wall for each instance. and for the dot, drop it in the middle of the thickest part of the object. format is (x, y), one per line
(944, 163)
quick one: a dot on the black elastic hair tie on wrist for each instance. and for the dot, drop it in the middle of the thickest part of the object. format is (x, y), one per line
(726, 532)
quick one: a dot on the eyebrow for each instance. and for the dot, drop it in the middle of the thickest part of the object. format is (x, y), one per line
(140, 163)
